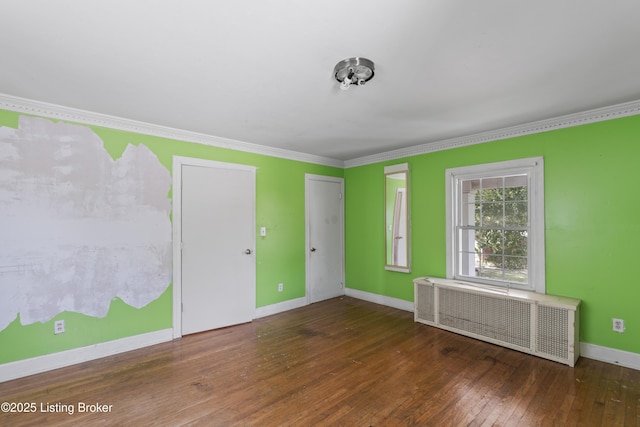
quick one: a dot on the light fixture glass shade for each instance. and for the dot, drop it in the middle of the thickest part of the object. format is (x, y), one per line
(353, 70)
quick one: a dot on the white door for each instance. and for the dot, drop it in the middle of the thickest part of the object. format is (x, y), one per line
(325, 241)
(218, 238)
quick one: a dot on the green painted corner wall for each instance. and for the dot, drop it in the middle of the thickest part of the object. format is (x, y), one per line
(591, 219)
(280, 256)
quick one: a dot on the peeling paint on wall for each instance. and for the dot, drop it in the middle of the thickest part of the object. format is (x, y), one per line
(77, 228)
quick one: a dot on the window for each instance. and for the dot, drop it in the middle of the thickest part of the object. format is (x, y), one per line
(495, 224)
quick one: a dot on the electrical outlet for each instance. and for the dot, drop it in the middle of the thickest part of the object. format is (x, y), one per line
(280, 287)
(58, 327)
(618, 325)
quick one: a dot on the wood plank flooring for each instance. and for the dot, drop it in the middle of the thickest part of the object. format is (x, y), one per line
(341, 362)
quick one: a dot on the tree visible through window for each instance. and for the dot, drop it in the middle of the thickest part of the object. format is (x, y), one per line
(497, 230)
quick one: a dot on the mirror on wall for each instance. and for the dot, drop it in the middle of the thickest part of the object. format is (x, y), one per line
(396, 218)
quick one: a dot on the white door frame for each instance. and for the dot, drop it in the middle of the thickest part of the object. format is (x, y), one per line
(176, 221)
(307, 178)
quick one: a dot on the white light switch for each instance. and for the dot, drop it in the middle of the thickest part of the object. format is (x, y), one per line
(263, 231)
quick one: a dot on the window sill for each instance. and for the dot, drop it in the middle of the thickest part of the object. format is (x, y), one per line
(519, 294)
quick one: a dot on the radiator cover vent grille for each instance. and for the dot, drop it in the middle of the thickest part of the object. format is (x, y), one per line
(425, 308)
(552, 335)
(543, 325)
(496, 318)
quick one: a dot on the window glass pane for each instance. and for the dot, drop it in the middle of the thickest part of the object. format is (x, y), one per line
(515, 214)
(470, 186)
(492, 183)
(515, 263)
(467, 252)
(492, 215)
(516, 188)
(490, 240)
(515, 242)
(517, 271)
(488, 249)
(470, 214)
(490, 194)
(493, 260)
(491, 268)
(467, 263)
(477, 216)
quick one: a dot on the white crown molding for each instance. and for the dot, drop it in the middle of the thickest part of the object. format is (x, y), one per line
(37, 108)
(591, 116)
(43, 109)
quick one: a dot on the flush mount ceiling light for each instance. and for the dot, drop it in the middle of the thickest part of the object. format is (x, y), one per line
(353, 71)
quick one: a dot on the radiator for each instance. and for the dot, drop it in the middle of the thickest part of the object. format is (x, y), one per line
(542, 325)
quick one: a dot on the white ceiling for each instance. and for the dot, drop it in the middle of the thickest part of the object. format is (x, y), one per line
(261, 71)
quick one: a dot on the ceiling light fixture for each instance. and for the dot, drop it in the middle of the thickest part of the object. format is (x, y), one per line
(353, 71)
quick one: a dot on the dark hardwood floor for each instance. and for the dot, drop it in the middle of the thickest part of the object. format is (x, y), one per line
(338, 362)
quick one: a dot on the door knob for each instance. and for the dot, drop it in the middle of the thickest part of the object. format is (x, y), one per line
(313, 249)
(247, 251)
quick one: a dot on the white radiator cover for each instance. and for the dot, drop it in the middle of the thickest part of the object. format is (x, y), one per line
(543, 325)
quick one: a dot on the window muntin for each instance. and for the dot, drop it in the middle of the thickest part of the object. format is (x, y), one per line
(495, 224)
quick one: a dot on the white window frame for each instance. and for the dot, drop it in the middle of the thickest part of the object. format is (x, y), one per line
(534, 169)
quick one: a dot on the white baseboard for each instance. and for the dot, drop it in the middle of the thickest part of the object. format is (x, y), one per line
(610, 355)
(380, 299)
(291, 304)
(35, 365)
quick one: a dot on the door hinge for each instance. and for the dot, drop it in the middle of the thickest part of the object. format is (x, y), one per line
(182, 307)
(340, 196)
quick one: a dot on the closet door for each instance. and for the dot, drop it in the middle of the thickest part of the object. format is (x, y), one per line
(218, 240)
(325, 237)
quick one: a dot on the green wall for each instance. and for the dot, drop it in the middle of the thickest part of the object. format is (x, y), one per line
(592, 220)
(280, 256)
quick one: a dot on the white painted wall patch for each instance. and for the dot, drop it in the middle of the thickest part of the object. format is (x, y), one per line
(78, 228)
